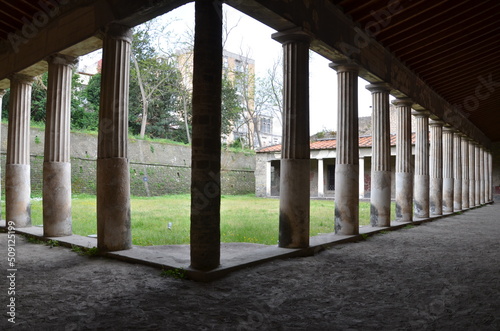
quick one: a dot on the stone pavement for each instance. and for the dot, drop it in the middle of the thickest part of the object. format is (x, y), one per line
(440, 275)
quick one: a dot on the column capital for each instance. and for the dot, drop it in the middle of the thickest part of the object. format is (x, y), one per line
(345, 66)
(2, 93)
(433, 122)
(379, 87)
(118, 31)
(22, 78)
(420, 113)
(292, 35)
(449, 129)
(62, 59)
(402, 102)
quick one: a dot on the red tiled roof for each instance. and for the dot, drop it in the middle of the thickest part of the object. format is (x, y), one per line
(365, 141)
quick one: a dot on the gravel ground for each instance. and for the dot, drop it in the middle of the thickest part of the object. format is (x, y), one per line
(443, 275)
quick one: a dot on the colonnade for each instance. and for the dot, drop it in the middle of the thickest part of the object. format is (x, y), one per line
(455, 175)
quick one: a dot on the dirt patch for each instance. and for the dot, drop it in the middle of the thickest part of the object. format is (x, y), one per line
(442, 275)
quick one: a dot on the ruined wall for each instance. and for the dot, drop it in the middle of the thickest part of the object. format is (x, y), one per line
(155, 168)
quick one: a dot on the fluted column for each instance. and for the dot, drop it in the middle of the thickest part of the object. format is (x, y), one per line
(380, 199)
(477, 174)
(113, 181)
(465, 172)
(57, 166)
(17, 167)
(490, 177)
(448, 178)
(295, 154)
(472, 174)
(457, 171)
(347, 167)
(436, 167)
(404, 167)
(361, 177)
(2, 93)
(421, 179)
(206, 143)
(482, 171)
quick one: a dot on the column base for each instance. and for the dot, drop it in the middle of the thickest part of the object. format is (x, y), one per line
(346, 199)
(294, 203)
(17, 195)
(56, 199)
(113, 204)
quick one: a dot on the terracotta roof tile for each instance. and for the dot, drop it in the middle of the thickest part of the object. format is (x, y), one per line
(364, 141)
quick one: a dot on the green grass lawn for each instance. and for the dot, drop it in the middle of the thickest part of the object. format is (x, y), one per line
(244, 218)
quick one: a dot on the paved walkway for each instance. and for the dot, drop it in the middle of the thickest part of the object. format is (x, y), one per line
(442, 275)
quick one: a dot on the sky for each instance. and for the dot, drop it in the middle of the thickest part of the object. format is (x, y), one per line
(254, 38)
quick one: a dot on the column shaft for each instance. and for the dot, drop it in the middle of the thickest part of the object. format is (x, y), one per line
(321, 178)
(17, 168)
(56, 166)
(448, 178)
(268, 178)
(380, 199)
(347, 167)
(421, 180)
(404, 167)
(482, 171)
(361, 177)
(113, 181)
(206, 145)
(457, 171)
(295, 154)
(477, 174)
(465, 172)
(436, 167)
(472, 174)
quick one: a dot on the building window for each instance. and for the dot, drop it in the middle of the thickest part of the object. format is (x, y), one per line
(331, 177)
(266, 125)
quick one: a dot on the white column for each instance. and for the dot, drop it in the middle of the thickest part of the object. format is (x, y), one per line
(465, 172)
(56, 165)
(457, 171)
(436, 167)
(113, 177)
(448, 178)
(321, 178)
(347, 167)
(404, 167)
(2, 93)
(472, 174)
(17, 167)
(380, 198)
(477, 174)
(295, 154)
(361, 177)
(482, 171)
(268, 178)
(421, 180)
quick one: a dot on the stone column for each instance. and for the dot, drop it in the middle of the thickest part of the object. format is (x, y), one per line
(465, 172)
(2, 93)
(268, 178)
(57, 166)
(472, 174)
(448, 178)
(482, 171)
(436, 167)
(361, 177)
(404, 167)
(477, 174)
(347, 167)
(380, 199)
(17, 167)
(457, 171)
(321, 178)
(206, 143)
(295, 154)
(490, 177)
(421, 179)
(113, 177)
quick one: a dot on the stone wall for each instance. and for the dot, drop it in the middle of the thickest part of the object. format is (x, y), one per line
(155, 168)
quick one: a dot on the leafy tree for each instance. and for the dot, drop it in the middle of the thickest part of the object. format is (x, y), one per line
(39, 98)
(85, 103)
